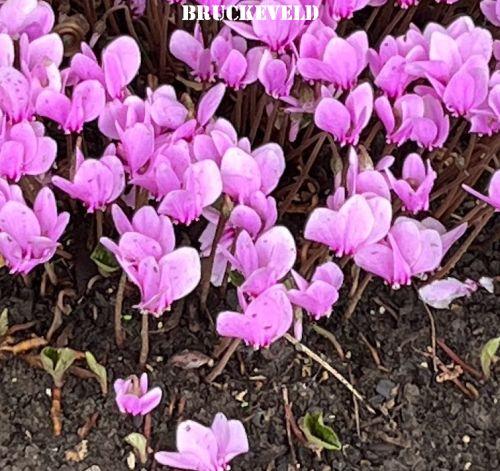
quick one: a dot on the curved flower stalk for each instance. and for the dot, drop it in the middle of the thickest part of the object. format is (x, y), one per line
(33, 17)
(339, 61)
(24, 150)
(493, 197)
(411, 249)
(29, 237)
(416, 118)
(266, 319)
(120, 62)
(360, 221)
(415, 186)
(134, 397)
(97, 182)
(86, 103)
(346, 121)
(146, 253)
(202, 448)
(318, 296)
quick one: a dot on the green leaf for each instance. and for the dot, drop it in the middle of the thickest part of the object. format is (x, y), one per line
(56, 362)
(318, 434)
(105, 260)
(140, 444)
(99, 371)
(488, 355)
(236, 278)
(4, 322)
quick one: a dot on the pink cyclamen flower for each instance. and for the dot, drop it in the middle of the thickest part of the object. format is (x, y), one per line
(200, 187)
(276, 74)
(346, 121)
(24, 150)
(202, 448)
(440, 293)
(412, 249)
(134, 397)
(318, 296)
(266, 319)
(97, 182)
(415, 187)
(86, 103)
(15, 95)
(264, 262)
(413, 117)
(10, 193)
(491, 10)
(29, 237)
(493, 197)
(340, 63)
(33, 17)
(166, 111)
(342, 9)
(360, 221)
(120, 62)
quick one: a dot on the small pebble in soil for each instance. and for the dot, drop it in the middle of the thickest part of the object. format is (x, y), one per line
(466, 439)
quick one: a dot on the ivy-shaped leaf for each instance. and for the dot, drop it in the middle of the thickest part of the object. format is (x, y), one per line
(56, 361)
(4, 322)
(99, 371)
(488, 355)
(139, 443)
(319, 435)
(105, 260)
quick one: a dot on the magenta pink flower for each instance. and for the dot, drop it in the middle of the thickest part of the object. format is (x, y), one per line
(342, 9)
(86, 103)
(276, 74)
(10, 193)
(33, 17)
(136, 147)
(263, 262)
(15, 95)
(318, 296)
(266, 319)
(440, 293)
(412, 249)
(24, 150)
(491, 10)
(413, 117)
(415, 187)
(200, 187)
(166, 111)
(120, 63)
(29, 237)
(359, 222)
(202, 448)
(134, 397)
(346, 121)
(97, 182)
(339, 63)
(493, 197)
(119, 115)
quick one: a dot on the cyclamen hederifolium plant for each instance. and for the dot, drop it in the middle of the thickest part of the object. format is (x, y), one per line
(193, 151)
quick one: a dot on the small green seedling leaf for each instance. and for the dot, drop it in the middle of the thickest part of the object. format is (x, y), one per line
(99, 371)
(56, 361)
(319, 435)
(236, 278)
(488, 355)
(105, 260)
(140, 444)
(4, 322)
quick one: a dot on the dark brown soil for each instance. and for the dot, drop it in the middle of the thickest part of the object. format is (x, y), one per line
(424, 425)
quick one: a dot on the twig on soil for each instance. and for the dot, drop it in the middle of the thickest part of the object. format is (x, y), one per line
(433, 337)
(219, 368)
(356, 405)
(338, 376)
(87, 427)
(24, 346)
(55, 411)
(143, 358)
(288, 418)
(330, 337)
(373, 353)
(351, 307)
(119, 334)
(471, 370)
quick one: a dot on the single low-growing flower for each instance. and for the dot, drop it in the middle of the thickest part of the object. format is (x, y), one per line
(318, 296)
(29, 237)
(493, 197)
(266, 319)
(97, 182)
(134, 397)
(203, 448)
